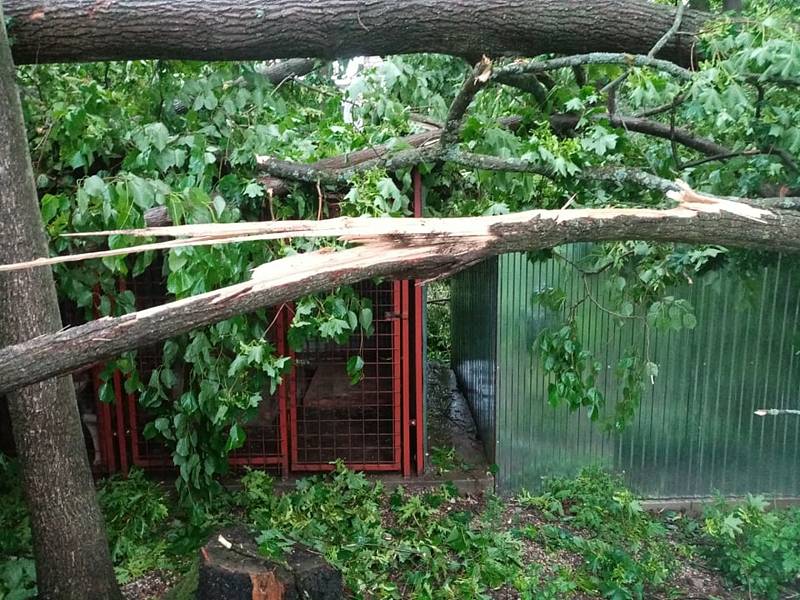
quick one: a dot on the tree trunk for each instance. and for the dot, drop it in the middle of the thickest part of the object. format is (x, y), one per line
(89, 30)
(414, 248)
(72, 555)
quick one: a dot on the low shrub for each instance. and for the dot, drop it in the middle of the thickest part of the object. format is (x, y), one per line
(752, 546)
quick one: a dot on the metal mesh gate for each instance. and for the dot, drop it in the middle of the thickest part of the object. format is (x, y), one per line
(332, 419)
(316, 416)
(265, 444)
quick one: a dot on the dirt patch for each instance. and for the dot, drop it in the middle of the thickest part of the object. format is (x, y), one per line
(151, 585)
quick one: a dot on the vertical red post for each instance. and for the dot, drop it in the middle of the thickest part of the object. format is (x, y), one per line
(419, 344)
(132, 430)
(405, 359)
(291, 393)
(397, 374)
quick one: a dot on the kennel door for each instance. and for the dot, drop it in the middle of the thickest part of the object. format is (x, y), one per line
(330, 418)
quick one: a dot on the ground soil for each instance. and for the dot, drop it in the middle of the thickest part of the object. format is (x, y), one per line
(152, 585)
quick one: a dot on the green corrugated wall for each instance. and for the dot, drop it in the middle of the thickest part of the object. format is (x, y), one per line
(474, 308)
(695, 433)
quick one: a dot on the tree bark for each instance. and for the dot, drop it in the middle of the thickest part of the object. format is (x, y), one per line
(90, 30)
(282, 70)
(72, 555)
(414, 248)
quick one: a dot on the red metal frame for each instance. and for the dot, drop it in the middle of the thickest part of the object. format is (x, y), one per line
(104, 425)
(407, 389)
(399, 390)
(284, 321)
(406, 385)
(419, 342)
(318, 415)
(112, 423)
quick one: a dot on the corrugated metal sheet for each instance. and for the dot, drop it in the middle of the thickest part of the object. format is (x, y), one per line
(695, 433)
(473, 352)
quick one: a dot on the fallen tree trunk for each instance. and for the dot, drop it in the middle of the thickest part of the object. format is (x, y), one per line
(420, 248)
(92, 30)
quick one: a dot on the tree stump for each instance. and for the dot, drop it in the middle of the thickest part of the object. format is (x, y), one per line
(238, 572)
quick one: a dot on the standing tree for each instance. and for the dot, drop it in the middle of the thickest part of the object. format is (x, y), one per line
(72, 555)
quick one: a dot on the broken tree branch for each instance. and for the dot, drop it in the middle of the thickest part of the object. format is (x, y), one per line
(528, 83)
(594, 58)
(455, 115)
(682, 136)
(421, 248)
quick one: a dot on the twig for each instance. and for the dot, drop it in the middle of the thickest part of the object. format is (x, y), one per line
(657, 110)
(785, 156)
(659, 45)
(594, 301)
(682, 136)
(319, 201)
(726, 156)
(588, 272)
(594, 58)
(676, 157)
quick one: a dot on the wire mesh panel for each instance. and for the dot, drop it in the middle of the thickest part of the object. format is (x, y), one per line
(316, 416)
(334, 419)
(265, 442)
(149, 289)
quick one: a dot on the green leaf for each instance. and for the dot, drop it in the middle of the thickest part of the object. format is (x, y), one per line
(236, 437)
(550, 298)
(95, 186)
(355, 369)
(365, 319)
(254, 190)
(157, 135)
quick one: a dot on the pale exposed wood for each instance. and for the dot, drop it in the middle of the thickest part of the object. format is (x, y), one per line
(414, 248)
(366, 228)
